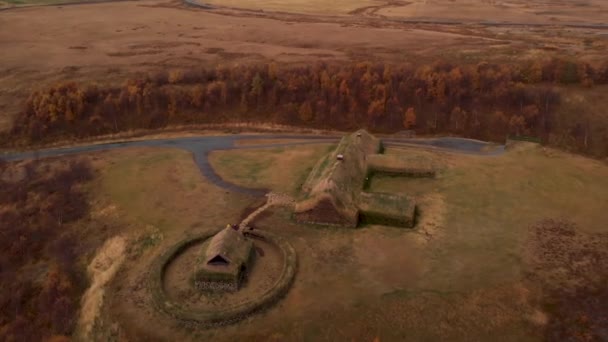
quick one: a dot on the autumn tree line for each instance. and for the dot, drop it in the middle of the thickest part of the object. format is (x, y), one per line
(485, 101)
(39, 250)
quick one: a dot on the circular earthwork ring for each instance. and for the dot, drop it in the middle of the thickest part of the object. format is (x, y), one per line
(227, 315)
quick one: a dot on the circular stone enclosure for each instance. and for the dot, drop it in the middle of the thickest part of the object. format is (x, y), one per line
(223, 310)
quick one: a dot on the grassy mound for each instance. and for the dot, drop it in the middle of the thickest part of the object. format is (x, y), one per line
(396, 165)
(387, 209)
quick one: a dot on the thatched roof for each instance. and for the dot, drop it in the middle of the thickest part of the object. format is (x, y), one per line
(333, 186)
(228, 245)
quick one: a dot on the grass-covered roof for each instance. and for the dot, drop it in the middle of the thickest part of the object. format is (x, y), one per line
(336, 183)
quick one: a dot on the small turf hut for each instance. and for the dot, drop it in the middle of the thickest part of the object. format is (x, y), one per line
(330, 193)
(224, 261)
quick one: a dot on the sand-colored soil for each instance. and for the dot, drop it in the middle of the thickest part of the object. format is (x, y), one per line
(102, 269)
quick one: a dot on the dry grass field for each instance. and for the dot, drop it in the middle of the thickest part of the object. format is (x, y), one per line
(334, 7)
(518, 11)
(458, 276)
(106, 42)
(577, 11)
(265, 168)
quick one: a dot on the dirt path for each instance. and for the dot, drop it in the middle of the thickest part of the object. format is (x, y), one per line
(273, 199)
(102, 269)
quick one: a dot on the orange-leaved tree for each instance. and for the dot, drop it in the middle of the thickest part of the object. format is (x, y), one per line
(409, 118)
